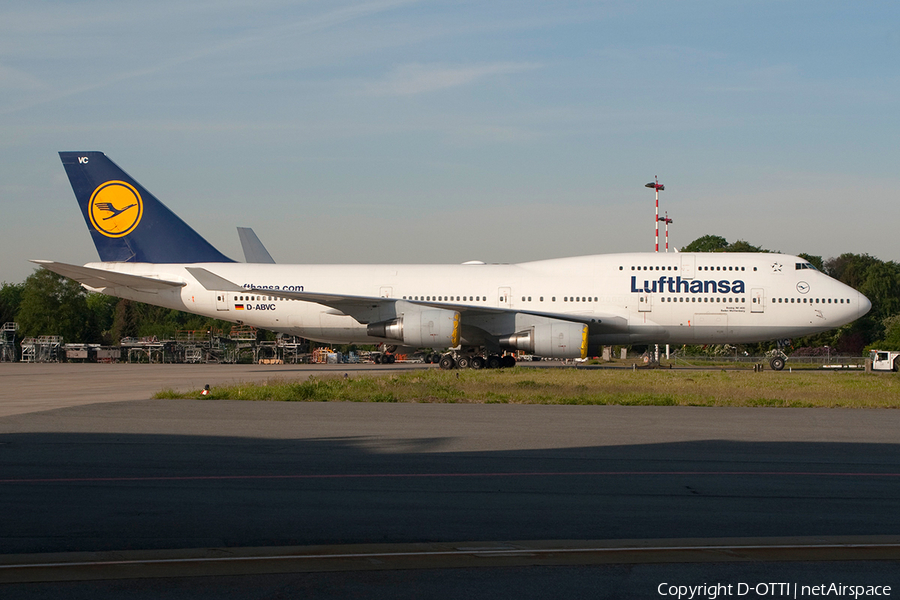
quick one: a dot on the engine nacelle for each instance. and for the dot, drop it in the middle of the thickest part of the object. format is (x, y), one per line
(429, 328)
(551, 340)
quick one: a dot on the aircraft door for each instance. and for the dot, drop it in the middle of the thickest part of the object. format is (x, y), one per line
(758, 300)
(504, 296)
(221, 300)
(645, 303)
(687, 266)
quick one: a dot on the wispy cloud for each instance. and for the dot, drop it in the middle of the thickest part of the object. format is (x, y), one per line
(423, 78)
(324, 21)
(14, 79)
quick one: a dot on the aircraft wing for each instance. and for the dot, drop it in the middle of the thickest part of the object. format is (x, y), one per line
(367, 309)
(100, 278)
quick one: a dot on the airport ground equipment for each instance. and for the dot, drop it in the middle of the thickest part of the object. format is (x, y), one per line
(8, 342)
(92, 353)
(885, 360)
(46, 348)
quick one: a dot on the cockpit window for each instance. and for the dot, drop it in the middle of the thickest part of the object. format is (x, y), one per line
(800, 266)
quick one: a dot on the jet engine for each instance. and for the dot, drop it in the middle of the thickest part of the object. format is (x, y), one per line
(560, 339)
(428, 328)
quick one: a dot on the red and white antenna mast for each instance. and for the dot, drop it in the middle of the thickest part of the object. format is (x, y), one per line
(656, 185)
(665, 220)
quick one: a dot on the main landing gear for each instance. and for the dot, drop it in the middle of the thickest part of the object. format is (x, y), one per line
(453, 360)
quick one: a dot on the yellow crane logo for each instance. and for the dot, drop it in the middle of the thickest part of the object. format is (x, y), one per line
(115, 209)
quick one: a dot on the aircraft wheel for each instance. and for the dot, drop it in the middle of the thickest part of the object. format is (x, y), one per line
(508, 361)
(777, 363)
(377, 359)
(388, 359)
(427, 359)
(464, 362)
(447, 362)
(477, 362)
(493, 362)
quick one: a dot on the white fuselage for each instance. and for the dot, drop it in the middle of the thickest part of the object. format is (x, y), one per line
(677, 298)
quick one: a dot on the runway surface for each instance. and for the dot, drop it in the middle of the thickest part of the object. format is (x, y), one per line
(127, 477)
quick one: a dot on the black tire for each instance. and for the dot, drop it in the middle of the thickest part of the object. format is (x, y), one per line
(447, 362)
(477, 362)
(464, 362)
(896, 364)
(493, 362)
(508, 361)
(776, 363)
(427, 359)
(388, 359)
(377, 359)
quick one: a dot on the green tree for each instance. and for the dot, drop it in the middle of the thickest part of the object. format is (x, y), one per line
(742, 246)
(54, 305)
(891, 339)
(103, 309)
(814, 260)
(881, 286)
(707, 243)
(716, 243)
(10, 300)
(850, 268)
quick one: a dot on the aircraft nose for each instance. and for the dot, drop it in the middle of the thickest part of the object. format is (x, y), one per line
(864, 305)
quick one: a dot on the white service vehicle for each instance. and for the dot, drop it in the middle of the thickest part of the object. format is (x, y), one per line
(885, 360)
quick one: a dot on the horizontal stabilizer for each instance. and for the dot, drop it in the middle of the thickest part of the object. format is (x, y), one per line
(213, 282)
(101, 278)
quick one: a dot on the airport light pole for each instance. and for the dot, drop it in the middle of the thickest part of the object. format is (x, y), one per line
(656, 185)
(665, 220)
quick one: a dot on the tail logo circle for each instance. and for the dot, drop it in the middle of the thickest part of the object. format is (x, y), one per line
(115, 209)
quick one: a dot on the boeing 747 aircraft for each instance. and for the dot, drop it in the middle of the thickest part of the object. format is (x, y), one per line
(558, 308)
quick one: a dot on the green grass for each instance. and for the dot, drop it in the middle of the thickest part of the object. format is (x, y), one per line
(581, 386)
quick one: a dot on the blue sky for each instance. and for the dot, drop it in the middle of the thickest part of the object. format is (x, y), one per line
(394, 131)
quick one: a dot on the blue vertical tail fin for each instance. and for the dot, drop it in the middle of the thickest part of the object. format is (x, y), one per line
(128, 223)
